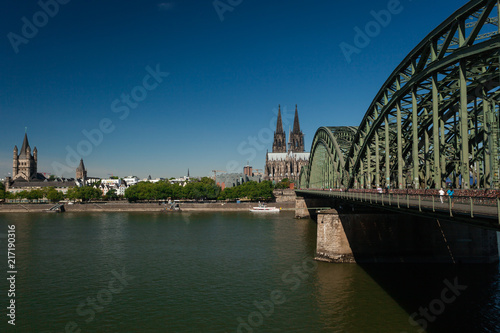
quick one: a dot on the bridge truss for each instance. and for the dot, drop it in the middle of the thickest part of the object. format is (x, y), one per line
(435, 119)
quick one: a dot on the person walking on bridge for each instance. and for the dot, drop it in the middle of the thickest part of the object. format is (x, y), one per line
(450, 193)
(441, 194)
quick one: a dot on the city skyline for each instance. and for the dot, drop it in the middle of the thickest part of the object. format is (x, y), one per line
(159, 87)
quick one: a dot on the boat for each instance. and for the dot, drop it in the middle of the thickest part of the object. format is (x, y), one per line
(262, 208)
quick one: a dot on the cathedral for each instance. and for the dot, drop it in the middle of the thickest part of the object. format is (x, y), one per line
(281, 164)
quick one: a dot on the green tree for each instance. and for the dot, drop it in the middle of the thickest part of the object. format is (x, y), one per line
(250, 190)
(35, 194)
(22, 195)
(71, 194)
(54, 195)
(111, 195)
(85, 193)
(2, 191)
(285, 183)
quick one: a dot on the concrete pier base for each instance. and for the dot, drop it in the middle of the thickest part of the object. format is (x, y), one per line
(301, 211)
(332, 242)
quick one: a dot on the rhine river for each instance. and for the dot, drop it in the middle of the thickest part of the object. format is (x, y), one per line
(222, 272)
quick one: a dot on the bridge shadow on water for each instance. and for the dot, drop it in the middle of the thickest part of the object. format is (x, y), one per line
(443, 298)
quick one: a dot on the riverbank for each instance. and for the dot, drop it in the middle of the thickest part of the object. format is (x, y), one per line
(141, 207)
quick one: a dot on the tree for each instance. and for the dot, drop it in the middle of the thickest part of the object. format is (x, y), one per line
(285, 183)
(54, 195)
(250, 190)
(35, 194)
(111, 195)
(2, 191)
(85, 193)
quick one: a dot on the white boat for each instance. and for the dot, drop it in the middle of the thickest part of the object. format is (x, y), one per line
(264, 209)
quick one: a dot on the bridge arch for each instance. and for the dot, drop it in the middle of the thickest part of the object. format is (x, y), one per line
(435, 119)
(327, 164)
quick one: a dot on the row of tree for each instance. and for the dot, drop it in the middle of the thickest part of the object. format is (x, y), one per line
(204, 189)
(50, 193)
(249, 190)
(162, 190)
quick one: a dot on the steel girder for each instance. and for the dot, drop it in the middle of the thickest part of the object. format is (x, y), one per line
(436, 118)
(327, 164)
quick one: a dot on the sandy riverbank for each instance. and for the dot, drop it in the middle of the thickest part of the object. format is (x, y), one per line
(139, 207)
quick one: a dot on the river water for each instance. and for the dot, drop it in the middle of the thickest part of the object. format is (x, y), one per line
(223, 272)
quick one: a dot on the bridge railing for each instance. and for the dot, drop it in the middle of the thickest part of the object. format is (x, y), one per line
(418, 199)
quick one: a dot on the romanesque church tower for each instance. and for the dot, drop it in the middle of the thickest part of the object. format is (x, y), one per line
(296, 138)
(81, 173)
(25, 164)
(279, 144)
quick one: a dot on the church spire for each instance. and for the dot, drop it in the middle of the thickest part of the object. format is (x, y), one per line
(296, 125)
(279, 124)
(297, 137)
(279, 144)
(25, 145)
(81, 167)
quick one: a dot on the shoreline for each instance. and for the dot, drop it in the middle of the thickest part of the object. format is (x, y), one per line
(141, 207)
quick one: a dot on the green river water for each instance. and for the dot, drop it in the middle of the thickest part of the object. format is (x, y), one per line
(221, 272)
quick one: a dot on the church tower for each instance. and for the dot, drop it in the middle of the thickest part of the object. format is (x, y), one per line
(81, 173)
(25, 164)
(296, 137)
(279, 144)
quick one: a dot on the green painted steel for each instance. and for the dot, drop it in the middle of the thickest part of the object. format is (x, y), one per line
(435, 119)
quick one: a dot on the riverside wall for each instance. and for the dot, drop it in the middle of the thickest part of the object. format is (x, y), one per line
(140, 207)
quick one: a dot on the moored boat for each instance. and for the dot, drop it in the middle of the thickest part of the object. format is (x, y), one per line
(264, 209)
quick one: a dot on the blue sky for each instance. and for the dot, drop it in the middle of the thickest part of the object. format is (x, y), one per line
(216, 107)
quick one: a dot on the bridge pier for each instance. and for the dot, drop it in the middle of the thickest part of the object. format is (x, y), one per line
(350, 233)
(306, 208)
(332, 244)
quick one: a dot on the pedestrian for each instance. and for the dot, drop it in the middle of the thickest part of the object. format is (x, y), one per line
(441, 194)
(450, 193)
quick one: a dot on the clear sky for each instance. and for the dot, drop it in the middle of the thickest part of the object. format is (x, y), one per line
(154, 88)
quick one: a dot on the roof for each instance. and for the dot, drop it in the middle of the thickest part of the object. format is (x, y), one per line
(81, 167)
(25, 146)
(21, 184)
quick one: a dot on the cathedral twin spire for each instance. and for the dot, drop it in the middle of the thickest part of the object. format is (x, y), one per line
(296, 137)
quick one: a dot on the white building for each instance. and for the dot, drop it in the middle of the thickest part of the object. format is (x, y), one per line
(116, 182)
(149, 180)
(131, 180)
(121, 189)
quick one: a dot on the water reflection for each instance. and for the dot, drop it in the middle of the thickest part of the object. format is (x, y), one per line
(443, 298)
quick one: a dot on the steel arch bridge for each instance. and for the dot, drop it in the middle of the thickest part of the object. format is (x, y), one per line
(435, 119)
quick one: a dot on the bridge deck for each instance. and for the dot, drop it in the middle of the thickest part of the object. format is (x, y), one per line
(482, 212)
